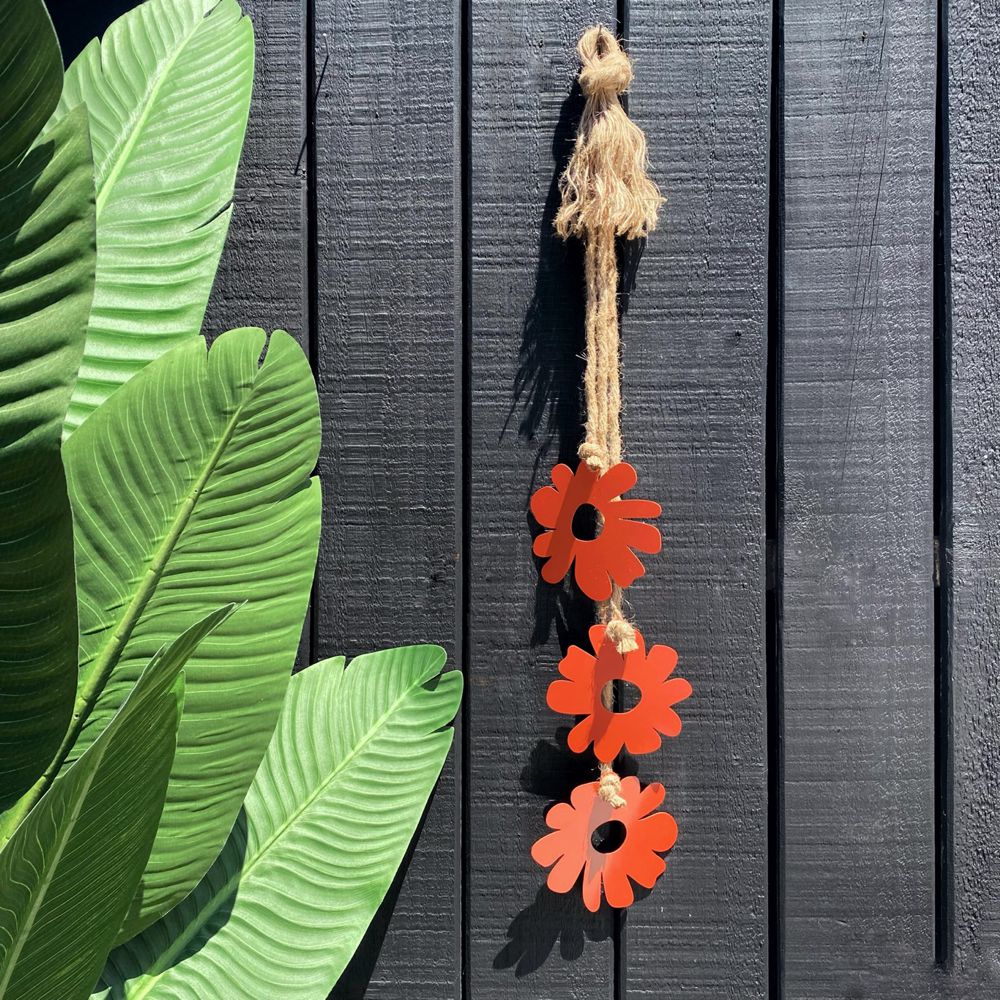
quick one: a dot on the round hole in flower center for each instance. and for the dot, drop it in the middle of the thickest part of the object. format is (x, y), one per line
(608, 836)
(627, 696)
(586, 523)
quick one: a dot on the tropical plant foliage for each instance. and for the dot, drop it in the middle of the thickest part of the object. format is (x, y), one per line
(191, 488)
(168, 93)
(324, 827)
(66, 867)
(162, 560)
(46, 285)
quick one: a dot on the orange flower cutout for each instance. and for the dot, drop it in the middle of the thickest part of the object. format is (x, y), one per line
(637, 730)
(609, 556)
(570, 850)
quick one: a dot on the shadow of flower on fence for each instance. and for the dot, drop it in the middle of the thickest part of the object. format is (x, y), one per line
(547, 403)
(552, 918)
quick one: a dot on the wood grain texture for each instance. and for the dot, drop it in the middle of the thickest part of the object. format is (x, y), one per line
(262, 277)
(858, 554)
(974, 100)
(695, 352)
(389, 323)
(526, 337)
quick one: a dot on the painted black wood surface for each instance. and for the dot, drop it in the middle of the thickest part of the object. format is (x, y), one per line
(812, 390)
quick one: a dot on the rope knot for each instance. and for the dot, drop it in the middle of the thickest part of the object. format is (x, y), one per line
(622, 634)
(606, 190)
(606, 69)
(610, 788)
(593, 455)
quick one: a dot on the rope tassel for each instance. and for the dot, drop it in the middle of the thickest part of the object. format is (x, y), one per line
(606, 187)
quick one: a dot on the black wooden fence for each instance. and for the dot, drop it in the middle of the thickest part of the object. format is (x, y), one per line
(812, 380)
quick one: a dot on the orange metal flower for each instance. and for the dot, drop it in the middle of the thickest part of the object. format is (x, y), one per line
(637, 730)
(570, 849)
(609, 556)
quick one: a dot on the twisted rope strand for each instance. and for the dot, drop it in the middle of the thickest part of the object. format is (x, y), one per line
(605, 193)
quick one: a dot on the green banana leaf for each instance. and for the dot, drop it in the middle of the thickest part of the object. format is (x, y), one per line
(168, 91)
(192, 487)
(325, 826)
(70, 870)
(46, 285)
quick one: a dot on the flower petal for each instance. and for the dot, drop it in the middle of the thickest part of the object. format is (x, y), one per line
(641, 536)
(561, 549)
(583, 797)
(592, 885)
(569, 697)
(591, 573)
(677, 689)
(579, 735)
(643, 739)
(596, 636)
(617, 888)
(669, 724)
(549, 849)
(624, 567)
(560, 816)
(617, 480)
(646, 867)
(577, 664)
(651, 798)
(661, 661)
(562, 476)
(631, 790)
(633, 509)
(658, 832)
(545, 506)
(542, 544)
(608, 743)
(566, 871)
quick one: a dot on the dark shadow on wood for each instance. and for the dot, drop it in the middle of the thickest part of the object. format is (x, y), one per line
(774, 513)
(553, 770)
(550, 919)
(559, 604)
(551, 774)
(353, 983)
(547, 403)
(77, 23)
(944, 889)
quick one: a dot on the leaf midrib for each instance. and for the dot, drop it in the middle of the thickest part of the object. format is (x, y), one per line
(215, 900)
(46, 883)
(106, 661)
(139, 122)
(114, 647)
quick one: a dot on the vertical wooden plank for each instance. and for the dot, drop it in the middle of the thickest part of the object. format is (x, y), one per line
(859, 79)
(974, 156)
(389, 317)
(262, 276)
(695, 359)
(526, 338)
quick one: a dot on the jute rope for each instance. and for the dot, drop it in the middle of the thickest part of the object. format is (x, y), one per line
(606, 193)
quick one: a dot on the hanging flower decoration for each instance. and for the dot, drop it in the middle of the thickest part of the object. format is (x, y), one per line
(637, 730)
(606, 195)
(608, 558)
(570, 850)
